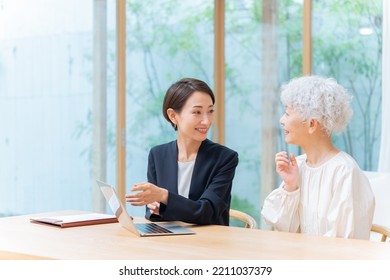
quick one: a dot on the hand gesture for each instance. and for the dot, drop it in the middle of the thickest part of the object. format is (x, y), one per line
(146, 193)
(288, 170)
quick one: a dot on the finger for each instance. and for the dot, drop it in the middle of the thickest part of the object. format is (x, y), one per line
(142, 183)
(281, 154)
(282, 161)
(133, 199)
(135, 195)
(137, 188)
(142, 187)
(141, 203)
(293, 160)
(151, 206)
(282, 164)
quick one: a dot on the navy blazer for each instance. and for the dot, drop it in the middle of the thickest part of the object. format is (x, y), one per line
(209, 197)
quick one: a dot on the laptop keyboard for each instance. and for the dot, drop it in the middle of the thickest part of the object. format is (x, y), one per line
(151, 228)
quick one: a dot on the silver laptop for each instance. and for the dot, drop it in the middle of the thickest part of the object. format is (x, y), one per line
(139, 229)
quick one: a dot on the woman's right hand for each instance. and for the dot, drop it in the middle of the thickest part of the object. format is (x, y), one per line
(146, 193)
(288, 170)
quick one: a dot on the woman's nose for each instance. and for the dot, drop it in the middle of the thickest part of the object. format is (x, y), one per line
(281, 121)
(206, 119)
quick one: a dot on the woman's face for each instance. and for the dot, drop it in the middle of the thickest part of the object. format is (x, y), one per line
(295, 129)
(196, 117)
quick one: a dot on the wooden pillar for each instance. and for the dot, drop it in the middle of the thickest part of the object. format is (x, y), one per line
(219, 71)
(307, 42)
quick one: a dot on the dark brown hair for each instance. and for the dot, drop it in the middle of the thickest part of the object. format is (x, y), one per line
(178, 93)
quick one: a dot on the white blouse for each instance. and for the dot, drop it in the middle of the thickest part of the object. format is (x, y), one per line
(184, 177)
(334, 199)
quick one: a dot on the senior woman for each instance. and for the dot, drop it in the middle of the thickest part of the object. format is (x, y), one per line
(324, 192)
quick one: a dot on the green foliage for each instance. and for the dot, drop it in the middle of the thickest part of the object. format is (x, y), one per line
(290, 38)
(353, 59)
(167, 39)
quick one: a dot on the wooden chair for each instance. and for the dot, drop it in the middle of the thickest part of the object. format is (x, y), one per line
(385, 231)
(381, 188)
(247, 219)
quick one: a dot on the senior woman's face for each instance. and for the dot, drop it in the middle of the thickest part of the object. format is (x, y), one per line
(295, 129)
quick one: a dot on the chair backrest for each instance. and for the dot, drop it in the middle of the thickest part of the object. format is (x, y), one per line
(384, 231)
(380, 184)
(247, 219)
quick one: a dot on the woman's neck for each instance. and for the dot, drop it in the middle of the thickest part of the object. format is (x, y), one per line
(319, 153)
(187, 150)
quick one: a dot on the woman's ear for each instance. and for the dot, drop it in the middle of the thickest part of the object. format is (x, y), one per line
(172, 115)
(313, 125)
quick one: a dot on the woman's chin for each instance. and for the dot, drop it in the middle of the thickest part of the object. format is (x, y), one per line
(288, 141)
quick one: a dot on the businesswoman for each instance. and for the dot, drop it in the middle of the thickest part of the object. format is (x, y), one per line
(189, 179)
(324, 192)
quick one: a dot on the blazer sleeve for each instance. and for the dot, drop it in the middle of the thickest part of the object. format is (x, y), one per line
(152, 178)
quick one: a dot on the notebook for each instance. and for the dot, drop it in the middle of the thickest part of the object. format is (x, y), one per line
(139, 229)
(76, 220)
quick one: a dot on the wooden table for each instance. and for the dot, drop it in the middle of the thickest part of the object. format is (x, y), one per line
(20, 239)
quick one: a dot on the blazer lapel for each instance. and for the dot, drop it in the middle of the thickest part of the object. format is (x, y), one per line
(171, 177)
(196, 188)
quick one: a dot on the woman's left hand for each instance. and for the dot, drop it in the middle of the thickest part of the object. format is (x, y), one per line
(154, 208)
(147, 193)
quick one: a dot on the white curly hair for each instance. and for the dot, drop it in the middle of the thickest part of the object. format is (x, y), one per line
(320, 98)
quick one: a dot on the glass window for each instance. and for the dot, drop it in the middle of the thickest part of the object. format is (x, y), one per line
(45, 97)
(347, 45)
(166, 41)
(263, 49)
(49, 63)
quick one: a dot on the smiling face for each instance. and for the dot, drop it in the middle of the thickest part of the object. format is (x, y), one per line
(295, 129)
(195, 118)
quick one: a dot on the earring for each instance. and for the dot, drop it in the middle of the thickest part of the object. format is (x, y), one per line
(175, 126)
